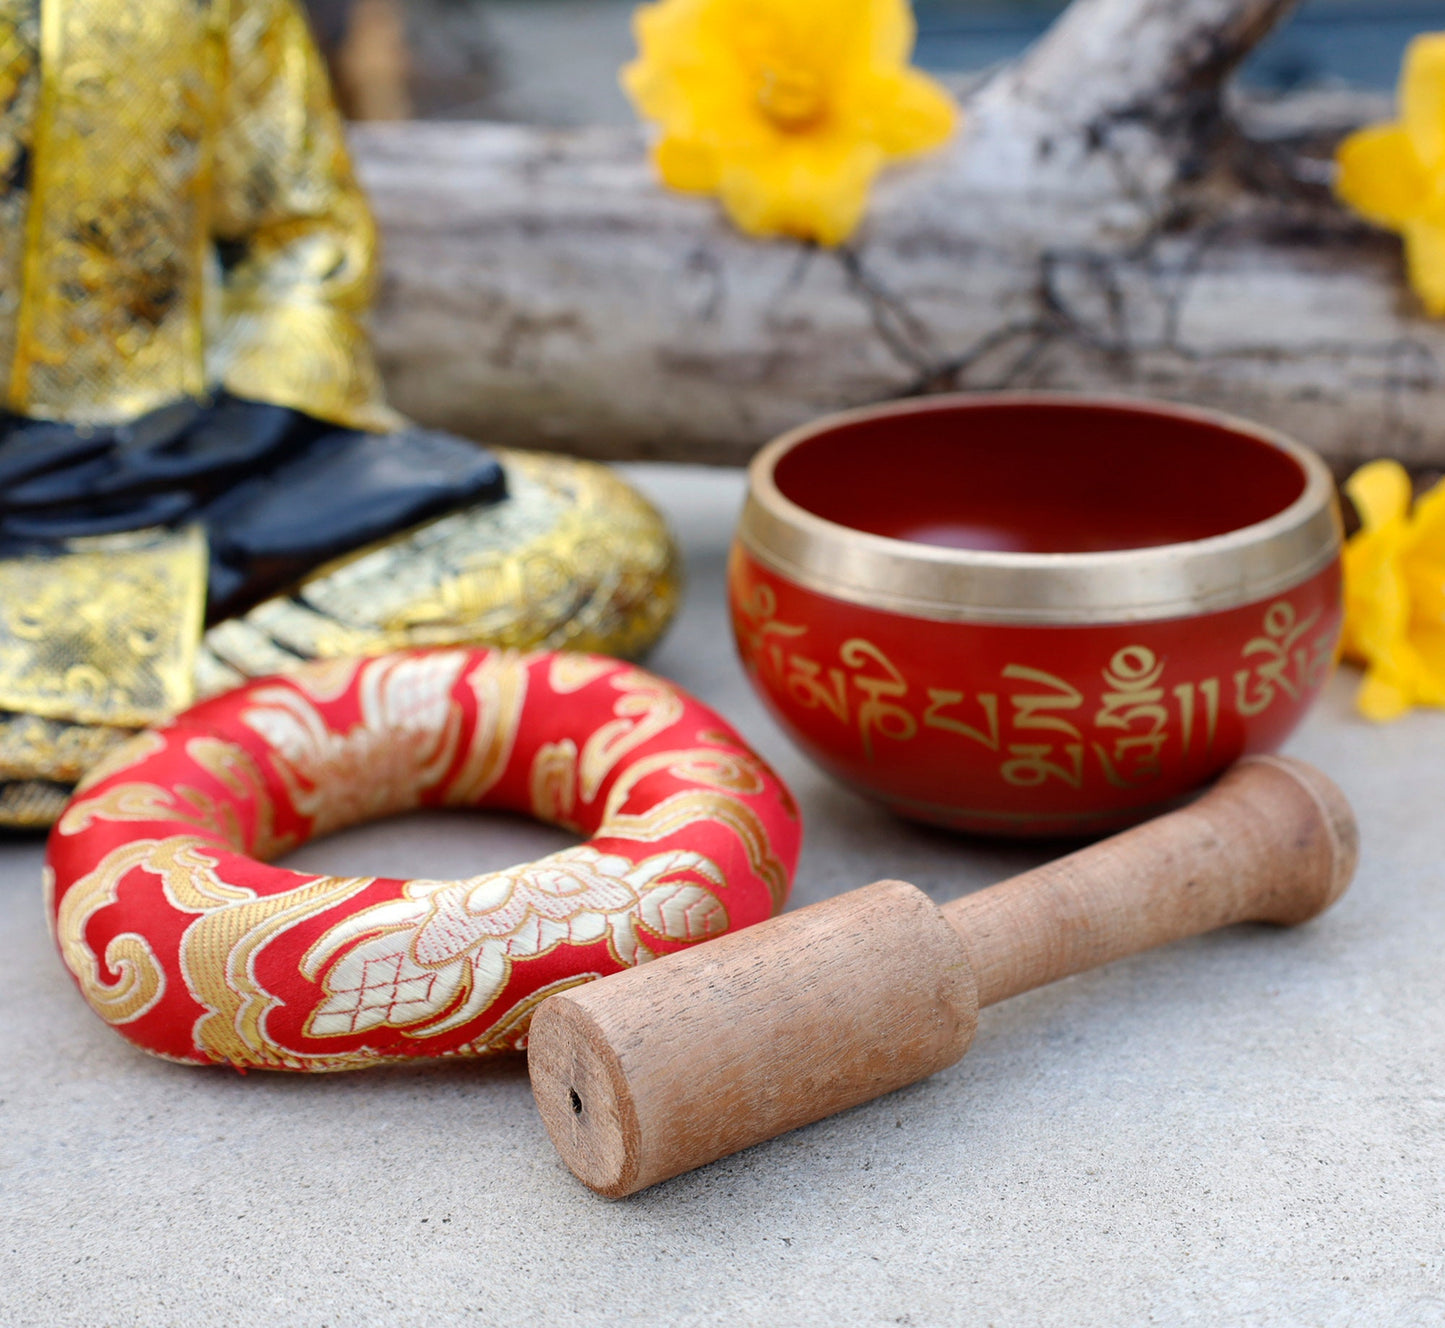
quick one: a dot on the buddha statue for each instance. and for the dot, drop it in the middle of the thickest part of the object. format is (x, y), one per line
(200, 478)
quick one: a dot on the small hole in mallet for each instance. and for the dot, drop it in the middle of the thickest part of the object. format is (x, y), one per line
(576, 1101)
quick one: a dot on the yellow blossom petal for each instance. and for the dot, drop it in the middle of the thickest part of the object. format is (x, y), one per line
(890, 32)
(1394, 174)
(1395, 592)
(1377, 601)
(1422, 99)
(1382, 698)
(916, 114)
(817, 193)
(1380, 492)
(689, 167)
(786, 109)
(1427, 657)
(1427, 527)
(1425, 586)
(674, 82)
(1423, 562)
(1381, 177)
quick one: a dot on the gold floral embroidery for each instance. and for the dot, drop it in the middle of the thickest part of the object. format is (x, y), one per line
(682, 810)
(217, 949)
(499, 684)
(131, 802)
(560, 777)
(236, 770)
(570, 673)
(509, 1032)
(232, 766)
(407, 740)
(714, 768)
(726, 776)
(646, 708)
(553, 783)
(218, 958)
(438, 957)
(142, 980)
(326, 680)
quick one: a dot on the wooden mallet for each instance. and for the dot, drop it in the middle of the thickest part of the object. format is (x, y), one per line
(652, 1072)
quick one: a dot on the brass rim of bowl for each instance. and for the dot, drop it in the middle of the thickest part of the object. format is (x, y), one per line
(964, 585)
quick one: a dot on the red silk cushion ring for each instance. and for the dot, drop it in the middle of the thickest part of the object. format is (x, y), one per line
(181, 936)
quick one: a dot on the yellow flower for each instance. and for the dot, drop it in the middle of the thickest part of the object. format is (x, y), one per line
(1394, 174)
(1395, 592)
(785, 109)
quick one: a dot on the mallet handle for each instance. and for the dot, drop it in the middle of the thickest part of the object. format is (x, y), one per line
(662, 1068)
(1274, 841)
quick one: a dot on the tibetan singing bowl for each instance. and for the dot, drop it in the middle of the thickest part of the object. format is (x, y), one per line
(1036, 614)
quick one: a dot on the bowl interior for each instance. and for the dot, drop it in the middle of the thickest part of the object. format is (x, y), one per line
(1040, 477)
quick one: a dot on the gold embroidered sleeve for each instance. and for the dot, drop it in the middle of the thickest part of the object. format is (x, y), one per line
(296, 239)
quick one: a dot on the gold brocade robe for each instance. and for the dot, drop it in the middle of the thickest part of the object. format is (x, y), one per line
(177, 212)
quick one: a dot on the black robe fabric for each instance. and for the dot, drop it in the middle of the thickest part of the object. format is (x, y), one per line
(278, 492)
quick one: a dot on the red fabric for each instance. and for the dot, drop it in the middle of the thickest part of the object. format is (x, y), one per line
(182, 937)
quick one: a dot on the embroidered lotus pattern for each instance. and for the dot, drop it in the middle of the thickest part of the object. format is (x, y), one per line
(408, 737)
(436, 958)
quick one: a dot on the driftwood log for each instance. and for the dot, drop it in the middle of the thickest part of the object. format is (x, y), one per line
(1105, 221)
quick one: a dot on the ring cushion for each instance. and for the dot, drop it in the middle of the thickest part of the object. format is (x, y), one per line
(184, 938)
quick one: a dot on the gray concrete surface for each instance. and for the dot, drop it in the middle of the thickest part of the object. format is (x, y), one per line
(1247, 1129)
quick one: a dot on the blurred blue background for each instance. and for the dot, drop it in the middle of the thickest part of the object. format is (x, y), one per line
(1326, 41)
(556, 61)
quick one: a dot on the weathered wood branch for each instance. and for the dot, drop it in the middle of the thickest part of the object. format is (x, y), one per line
(1100, 224)
(1110, 59)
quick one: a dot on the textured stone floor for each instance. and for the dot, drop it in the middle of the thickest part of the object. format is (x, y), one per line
(1247, 1129)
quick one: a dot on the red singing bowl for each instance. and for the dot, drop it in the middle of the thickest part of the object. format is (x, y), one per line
(1036, 614)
